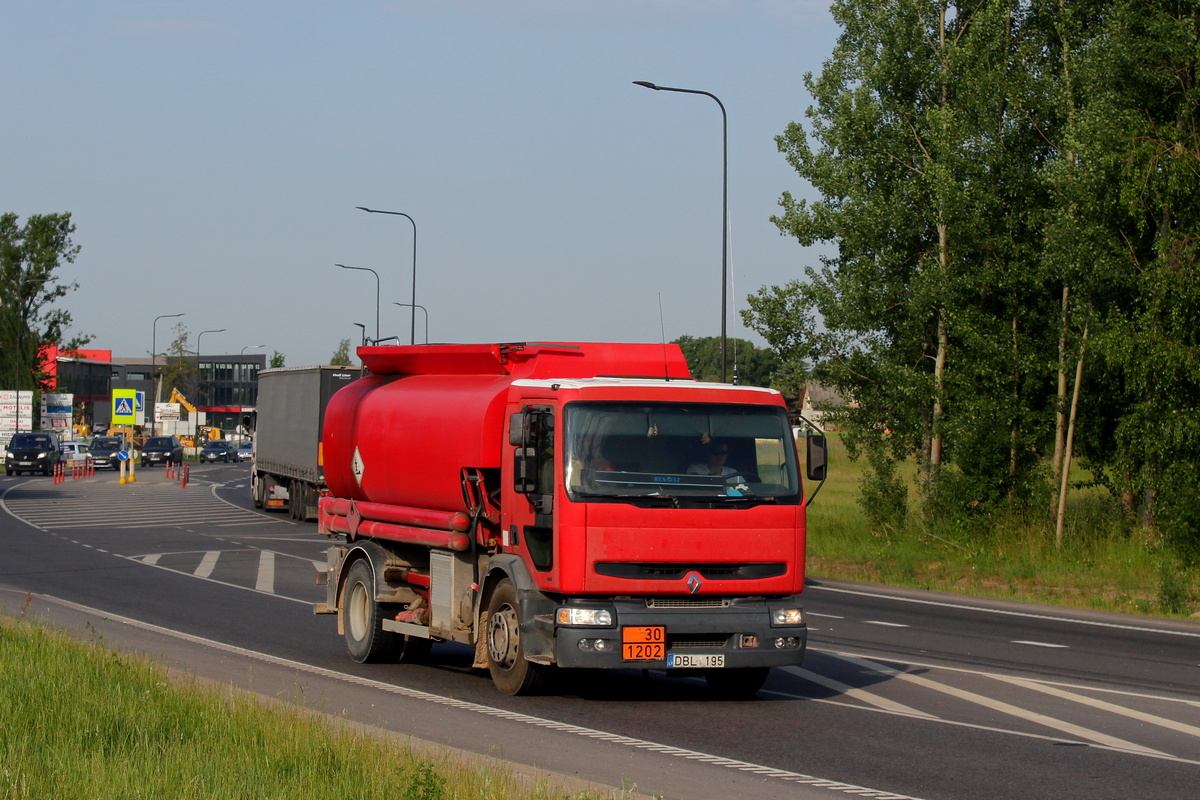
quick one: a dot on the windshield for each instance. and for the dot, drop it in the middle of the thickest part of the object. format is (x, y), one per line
(106, 444)
(158, 441)
(31, 441)
(683, 452)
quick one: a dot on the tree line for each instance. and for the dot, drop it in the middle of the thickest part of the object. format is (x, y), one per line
(1012, 192)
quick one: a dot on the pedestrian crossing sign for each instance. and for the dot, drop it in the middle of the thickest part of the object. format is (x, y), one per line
(124, 402)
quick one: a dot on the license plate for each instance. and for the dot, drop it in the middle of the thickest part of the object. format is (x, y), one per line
(643, 643)
(695, 661)
(25, 463)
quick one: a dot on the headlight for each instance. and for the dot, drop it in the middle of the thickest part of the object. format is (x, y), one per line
(41, 455)
(789, 616)
(599, 617)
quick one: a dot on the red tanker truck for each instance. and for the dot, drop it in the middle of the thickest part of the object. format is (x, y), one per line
(564, 505)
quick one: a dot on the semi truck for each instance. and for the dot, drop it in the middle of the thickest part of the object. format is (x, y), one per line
(558, 506)
(286, 473)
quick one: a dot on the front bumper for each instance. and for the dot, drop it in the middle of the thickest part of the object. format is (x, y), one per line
(740, 631)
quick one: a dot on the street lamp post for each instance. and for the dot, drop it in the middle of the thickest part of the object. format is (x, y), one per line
(724, 198)
(198, 335)
(154, 354)
(251, 347)
(413, 331)
(376, 274)
(423, 308)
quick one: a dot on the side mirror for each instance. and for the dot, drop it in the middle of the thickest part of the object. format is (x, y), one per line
(817, 456)
(525, 467)
(518, 430)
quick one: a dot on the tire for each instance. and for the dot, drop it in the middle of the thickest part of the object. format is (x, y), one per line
(362, 618)
(258, 491)
(46, 469)
(736, 684)
(510, 671)
(8, 471)
(295, 499)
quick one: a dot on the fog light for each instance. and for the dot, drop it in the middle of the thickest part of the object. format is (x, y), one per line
(788, 616)
(787, 643)
(585, 644)
(603, 645)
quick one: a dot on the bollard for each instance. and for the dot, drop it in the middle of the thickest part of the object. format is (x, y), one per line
(186, 470)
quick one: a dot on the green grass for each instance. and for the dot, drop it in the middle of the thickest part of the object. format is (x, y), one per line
(1104, 564)
(81, 721)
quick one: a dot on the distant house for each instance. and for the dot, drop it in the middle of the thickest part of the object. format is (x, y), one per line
(817, 401)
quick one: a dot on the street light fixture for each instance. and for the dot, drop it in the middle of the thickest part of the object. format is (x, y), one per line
(251, 347)
(154, 354)
(376, 274)
(724, 198)
(198, 335)
(413, 331)
(423, 308)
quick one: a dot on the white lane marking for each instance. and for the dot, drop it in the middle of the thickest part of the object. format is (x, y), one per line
(1007, 708)
(1101, 689)
(884, 624)
(207, 564)
(870, 698)
(1042, 644)
(1005, 612)
(151, 559)
(825, 616)
(511, 716)
(266, 572)
(320, 566)
(1112, 708)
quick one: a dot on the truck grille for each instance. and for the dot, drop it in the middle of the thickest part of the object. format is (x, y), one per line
(699, 641)
(633, 570)
(687, 602)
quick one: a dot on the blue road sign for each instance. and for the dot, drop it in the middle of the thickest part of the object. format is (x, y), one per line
(123, 455)
(124, 407)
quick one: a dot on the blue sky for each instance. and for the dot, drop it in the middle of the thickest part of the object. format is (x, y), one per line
(213, 153)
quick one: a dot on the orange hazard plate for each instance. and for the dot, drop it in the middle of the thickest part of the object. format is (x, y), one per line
(644, 643)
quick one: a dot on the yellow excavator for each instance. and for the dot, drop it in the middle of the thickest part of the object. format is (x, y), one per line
(204, 432)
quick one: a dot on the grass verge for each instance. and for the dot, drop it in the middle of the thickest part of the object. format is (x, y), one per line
(82, 721)
(1104, 564)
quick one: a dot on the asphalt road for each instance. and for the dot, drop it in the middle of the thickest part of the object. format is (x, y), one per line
(904, 693)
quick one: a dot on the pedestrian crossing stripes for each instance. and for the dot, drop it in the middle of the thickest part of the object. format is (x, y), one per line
(151, 502)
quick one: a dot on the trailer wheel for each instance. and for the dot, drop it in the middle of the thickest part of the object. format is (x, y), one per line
(362, 618)
(736, 684)
(511, 672)
(259, 491)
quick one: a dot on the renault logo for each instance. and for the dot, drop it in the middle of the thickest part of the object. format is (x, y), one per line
(693, 582)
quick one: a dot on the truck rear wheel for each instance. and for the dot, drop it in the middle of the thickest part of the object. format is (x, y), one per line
(259, 491)
(510, 671)
(362, 618)
(736, 684)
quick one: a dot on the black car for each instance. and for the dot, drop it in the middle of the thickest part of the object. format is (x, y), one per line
(105, 449)
(219, 450)
(162, 449)
(32, 452)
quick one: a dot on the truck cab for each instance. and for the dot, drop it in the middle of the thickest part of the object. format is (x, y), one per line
(606, 519)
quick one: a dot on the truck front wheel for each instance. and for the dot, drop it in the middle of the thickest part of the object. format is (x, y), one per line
(362, 618)
(511, 672)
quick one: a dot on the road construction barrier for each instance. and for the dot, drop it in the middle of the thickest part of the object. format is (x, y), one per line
(60, 470)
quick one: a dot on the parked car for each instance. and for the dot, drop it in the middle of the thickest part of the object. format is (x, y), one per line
(104, 451)
(219, 450)
(162, 450)
(32, 452)
(75, 451)
(245, 451)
